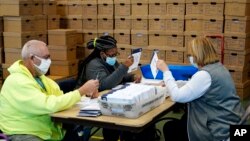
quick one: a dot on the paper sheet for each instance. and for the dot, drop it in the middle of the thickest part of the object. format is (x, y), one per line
(137, 57)
(153, 62)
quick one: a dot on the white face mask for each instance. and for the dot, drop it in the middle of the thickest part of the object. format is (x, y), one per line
(191, 60)
(43, 67)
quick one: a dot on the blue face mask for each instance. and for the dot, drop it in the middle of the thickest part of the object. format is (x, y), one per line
(111, 60)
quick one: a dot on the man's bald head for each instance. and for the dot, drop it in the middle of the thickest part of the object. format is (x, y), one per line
(33, 47)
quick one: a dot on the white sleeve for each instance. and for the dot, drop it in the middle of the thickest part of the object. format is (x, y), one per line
(193, 89)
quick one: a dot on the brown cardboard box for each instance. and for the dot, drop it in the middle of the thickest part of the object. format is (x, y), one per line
(19, 24)
(122, 8)
(157, 7)
(105, 32)
(175, 39)
(175, 55)
(139, 22)
(157, 39)
(175, 8)
(243, 89)
(157, 22)
(62, 53)
(238, 74)
(213, 7)
(62, 8)
(49, 8)
(175, 23)
(89, 8)
(75, 8)
(190, 36)
(88, 35)
(5, 71)
(63, 68)
(139, 7)
(37, 7)
(237, 24)
(16, 40)
(16, 7)
(194, 7)
(217, 42)
(75, 22)
(40, 23)
(105, 7)
(124, 53)
(123, 22)
(139, 38)
(213, 24)
(80, 52)
(41, 36)
(122, 37)
(89, 23)
(53, 22)
(194, 23)
(239, 41)
(237, 7)
(1, 56)
(237, 58)
(79, 37)
(1, 22)
(160, 53)
(105, 22)
(12, 55)
(63, 21)
(1, 40)
(62, 37)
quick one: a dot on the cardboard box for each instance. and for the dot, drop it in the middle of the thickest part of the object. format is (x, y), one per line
(175, 39)
(106, 7)
(139, 7)
(157, 39)
(157, 7)
(175, 23)
(139, 22)
(238, 74)
(124, 53)
(122, 37)
(62, 53)
(12, 55)
(79, 37)
(218, 43)
(175, 55)
(237, 7)
(1, 40)
(16, 7)
(243, 89)
(80, 52)
(89, 23)
(194, 23)
(194, 7)
(64, 68)
(62, 8)
(237, 24)
(88, 35)
(40, 23)
(157, 23)
(49, 7)
(105, 32)
(5, 71)
(1, 23)
(239, 41)
(122, 22)
(139, 38)
(105, 22)
(149, 52)
(190, 36)
(75, 8)
(122, 8)
(213, 24)
(213, 7)
(75, 22)
(241, 59)
(53, 22)
(89, 8)
(37, 7)
(176, 8)
(19, 24)
(16, 40)
(62, 37)
(41, 36)
(1, 56)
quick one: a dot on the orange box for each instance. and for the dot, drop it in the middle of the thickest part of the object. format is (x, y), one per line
(157, 39)
(157, 22)
(75, 22)
(62, 8)
(175, 39)
(89, 23)
(75, 8)
(53, 22)
(49, 8)
(139, 38)
(88, 35)
(237, 58)
(175, 55)
(122, 37)
(41, 36)
(37, 7)
(194, 7)
(105, 7)
(213, 24)
(157, 7)
(105, 32)
(175, 23)
(237, 7)
(16, 40)
(194, 23)
(175, 8)
(5, 71)
(237, 24)
(105, 22)
(16, 7)
(122, 22)
(139, 7)
(64, 68)
(62, 37)
(239, 41)
(19, 24)
(213, 7)
(62, 52)
(239, 75)
(139, 22)
(89, 8)
(40, 23)
(122, 8)
(12, 55)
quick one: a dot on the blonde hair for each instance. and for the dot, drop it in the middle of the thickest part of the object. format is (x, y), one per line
(203, 51)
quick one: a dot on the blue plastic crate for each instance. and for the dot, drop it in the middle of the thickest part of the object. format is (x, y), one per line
(179, 72)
